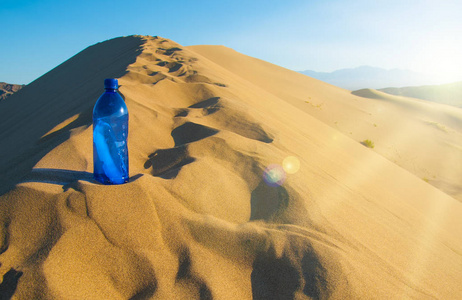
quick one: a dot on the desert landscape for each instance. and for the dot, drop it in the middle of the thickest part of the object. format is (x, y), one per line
(7, 89)
(247, 181)
(450, 93)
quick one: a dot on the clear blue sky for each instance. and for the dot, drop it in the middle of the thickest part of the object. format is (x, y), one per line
(419, 35)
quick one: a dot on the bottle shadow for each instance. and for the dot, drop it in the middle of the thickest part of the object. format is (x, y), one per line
(68, 90)
(63, 177)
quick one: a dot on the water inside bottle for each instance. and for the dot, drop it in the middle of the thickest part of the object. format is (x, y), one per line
(109, 144)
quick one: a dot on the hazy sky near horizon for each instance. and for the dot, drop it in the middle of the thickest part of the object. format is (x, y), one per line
(418, 35)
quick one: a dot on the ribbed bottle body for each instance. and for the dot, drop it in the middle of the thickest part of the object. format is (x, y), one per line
(110, 133)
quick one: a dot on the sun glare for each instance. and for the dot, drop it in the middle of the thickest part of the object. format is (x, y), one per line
(440, 60)
(291, 164)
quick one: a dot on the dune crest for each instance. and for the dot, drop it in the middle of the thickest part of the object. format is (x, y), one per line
(198, 219)
(400, 127)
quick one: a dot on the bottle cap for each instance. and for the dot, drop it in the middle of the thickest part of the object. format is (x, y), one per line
(111, 83)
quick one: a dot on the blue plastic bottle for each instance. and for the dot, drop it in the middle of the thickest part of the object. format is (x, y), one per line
(110, 131)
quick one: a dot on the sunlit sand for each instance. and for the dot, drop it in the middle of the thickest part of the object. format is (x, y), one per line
(247, 180)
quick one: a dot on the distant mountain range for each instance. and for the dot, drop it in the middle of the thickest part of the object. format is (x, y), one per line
(370, 77)
(395, 82)
(7, 89)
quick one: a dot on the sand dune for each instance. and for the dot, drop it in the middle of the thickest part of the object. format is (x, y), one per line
(450, 93)
(197, 219)
(422, 137)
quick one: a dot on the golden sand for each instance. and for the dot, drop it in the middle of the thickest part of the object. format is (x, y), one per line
(245, 183)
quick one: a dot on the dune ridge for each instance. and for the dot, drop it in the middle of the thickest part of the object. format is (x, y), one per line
(197, 219)
(422, 137)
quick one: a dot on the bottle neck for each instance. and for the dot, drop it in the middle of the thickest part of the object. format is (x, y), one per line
(111, 90)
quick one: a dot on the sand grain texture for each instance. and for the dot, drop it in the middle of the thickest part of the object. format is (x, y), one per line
(197, 220)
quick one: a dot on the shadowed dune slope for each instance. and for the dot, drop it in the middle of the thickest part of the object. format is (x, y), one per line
(29, 118)
(199, 218)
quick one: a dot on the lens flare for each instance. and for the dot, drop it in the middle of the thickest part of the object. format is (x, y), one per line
(274, 175)
(291, 164)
